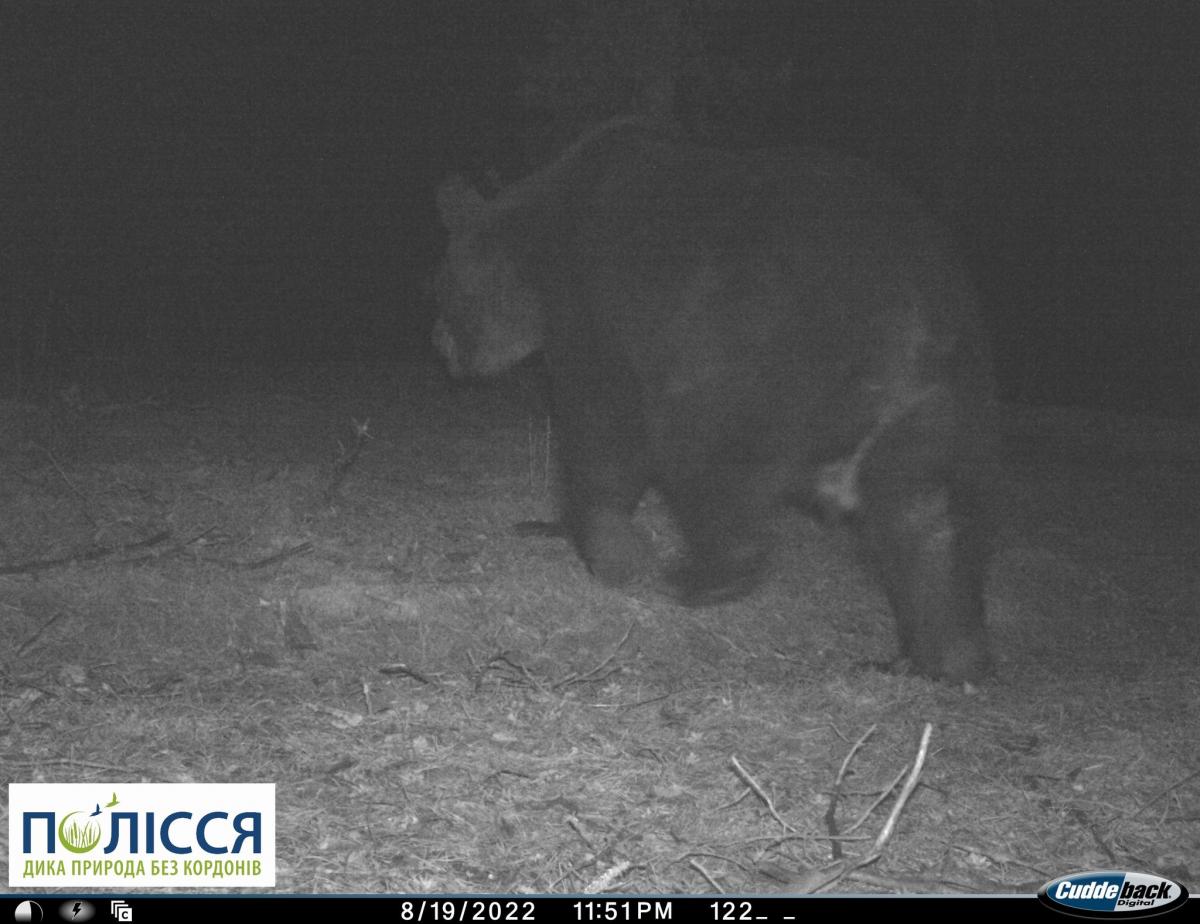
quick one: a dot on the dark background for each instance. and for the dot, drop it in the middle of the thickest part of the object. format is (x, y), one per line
(194, 185)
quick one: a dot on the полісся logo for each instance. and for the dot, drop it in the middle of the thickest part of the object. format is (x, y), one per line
(156, 835)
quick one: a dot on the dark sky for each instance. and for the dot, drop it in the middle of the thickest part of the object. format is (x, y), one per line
(245, 98)
(172, 172)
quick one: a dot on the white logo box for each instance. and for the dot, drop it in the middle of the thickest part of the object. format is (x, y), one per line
(141, 835)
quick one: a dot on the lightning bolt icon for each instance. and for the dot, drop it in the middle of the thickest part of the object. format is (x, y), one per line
(75, 910)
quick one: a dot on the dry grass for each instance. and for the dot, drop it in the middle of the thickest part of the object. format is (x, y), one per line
(445, 707)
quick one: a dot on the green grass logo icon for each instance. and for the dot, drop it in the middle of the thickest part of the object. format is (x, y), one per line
(78, 836)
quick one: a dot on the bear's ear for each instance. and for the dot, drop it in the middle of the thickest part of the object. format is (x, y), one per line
(459, 204)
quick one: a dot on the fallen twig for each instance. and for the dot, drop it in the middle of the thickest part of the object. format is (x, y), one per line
(695, 864)
(831, 813)
(574, 825)
(820, 880)
(1162, 792)
(403, 670)
(261, 562)
(592, 674)
(887, 791)
(123, 771)
(758, 791)
(45, 564)
(28, 643)
(163, 553)
(909, 785)
(525, 673)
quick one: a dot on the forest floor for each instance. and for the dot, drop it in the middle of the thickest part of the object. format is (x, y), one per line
(311, 579)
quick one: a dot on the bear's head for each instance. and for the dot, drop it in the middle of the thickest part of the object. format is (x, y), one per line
(488, 319)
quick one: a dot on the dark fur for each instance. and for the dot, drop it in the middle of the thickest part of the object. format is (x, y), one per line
(737, 329)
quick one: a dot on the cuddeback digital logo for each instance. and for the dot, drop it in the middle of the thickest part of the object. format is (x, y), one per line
(196, 835)
(1111, 893)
